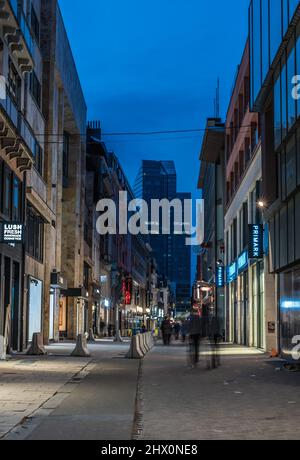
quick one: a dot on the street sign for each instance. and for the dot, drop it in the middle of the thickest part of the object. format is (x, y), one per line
(11, 233)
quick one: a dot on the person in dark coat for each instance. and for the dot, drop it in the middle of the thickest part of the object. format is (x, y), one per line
(167, 330)
(177, 330)
(195, 331)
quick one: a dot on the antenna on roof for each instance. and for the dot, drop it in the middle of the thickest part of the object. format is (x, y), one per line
(217, 100)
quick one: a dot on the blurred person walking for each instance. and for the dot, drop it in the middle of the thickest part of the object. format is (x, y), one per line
(195, 331)
(167, 330)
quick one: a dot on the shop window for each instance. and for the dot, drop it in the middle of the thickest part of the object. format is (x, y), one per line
(35, 307)
(283, 236)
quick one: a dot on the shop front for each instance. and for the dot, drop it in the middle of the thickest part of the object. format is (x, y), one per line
(243, 299)
(10, 294)
(289, 310)
(232, 302)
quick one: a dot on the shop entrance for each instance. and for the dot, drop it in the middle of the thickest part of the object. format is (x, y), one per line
(11, 298)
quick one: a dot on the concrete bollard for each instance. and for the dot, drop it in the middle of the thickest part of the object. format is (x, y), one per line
(146, 344)
(135, 351)
(81, 349)
(37, 346)
(91, 339)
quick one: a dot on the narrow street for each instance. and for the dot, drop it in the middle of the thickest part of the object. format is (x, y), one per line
(161, 397)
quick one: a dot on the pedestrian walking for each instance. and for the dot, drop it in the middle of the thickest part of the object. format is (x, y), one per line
(167, 330)
(195, 331)
(177, 330)
(183, 331)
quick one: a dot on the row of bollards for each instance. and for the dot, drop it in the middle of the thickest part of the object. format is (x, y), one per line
(140, 345)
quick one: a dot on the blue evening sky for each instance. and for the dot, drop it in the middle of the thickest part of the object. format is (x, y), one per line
(153, 65)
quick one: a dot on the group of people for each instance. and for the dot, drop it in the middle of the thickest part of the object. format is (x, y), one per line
(171, 328)
(198, 328)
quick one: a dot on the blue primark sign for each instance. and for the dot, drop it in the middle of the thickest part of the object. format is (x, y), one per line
(220, 276)
(256, 241)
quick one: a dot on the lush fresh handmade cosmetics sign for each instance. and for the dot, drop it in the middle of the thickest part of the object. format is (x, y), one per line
(11, 233)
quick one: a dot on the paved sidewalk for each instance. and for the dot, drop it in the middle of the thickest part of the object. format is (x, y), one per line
(27, 383)
(248, 397)
(101, 407)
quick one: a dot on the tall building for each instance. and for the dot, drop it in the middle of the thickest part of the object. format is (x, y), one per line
(274, 70)
(211, 183)
(250, 288)
(157, 180)
(22, 186)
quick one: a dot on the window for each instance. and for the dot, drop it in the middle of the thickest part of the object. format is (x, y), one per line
(34, 234)
(14, 83)
(16, 200)
(6, 203)
(35, 88)
(277, 112)
(35, 25)
(291, 165)
(39, 158)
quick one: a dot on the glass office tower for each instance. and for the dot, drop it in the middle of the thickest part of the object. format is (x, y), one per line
(158, 180)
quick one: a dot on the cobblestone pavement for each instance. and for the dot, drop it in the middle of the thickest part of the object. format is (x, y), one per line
(248, 397)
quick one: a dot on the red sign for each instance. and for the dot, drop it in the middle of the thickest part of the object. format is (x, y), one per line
(127, 290)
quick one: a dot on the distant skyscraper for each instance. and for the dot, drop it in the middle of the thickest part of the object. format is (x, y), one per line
(158, 180)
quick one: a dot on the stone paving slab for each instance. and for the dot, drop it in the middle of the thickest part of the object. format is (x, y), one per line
(27, 384)
(248, 397)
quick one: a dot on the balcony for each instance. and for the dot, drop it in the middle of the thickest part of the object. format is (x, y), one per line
(17, 35)
(16, 137)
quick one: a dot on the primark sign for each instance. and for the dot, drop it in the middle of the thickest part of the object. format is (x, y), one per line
(11, 233)
(256, 241)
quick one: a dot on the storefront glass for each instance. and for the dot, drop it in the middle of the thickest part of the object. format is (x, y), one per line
(35, 307)
(289, 306)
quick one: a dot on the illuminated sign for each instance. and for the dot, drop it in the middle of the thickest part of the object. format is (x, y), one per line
(256, 242)
(127, 290)
(11, 233)
(243, 262)
(232, 272)
(220, 276)
(290, 304)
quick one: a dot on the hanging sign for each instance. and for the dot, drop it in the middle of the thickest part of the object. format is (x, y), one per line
(220, 276)
(256, 241)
